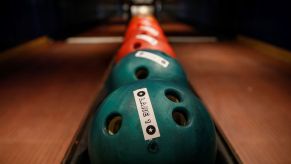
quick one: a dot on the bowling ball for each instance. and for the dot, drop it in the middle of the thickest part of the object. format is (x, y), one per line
(148, 21)
(152, 122)
(145, 64)
(143, 42)
(143, 20)
(146, 30)
(137, 26)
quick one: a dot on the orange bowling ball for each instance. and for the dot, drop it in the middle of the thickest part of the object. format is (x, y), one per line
(146, 30)
(142, 41)
(143, 20)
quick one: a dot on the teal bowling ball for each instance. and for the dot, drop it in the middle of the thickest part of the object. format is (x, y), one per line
(145, 64)
(152, 122)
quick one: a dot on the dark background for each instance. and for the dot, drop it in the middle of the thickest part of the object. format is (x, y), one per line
(23, 20)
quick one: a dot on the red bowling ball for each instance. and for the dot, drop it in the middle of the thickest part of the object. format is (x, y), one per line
(142, 41)
(146, 30)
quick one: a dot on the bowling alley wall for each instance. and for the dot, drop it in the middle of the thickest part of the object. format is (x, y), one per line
(24, 20)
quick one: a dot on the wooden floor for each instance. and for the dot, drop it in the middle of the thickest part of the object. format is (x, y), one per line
(247, 93)
(46, 92)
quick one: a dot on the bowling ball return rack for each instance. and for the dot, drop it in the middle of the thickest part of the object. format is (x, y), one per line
(77, 153)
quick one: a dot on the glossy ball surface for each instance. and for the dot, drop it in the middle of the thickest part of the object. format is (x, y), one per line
(187, 133)
(145, 64)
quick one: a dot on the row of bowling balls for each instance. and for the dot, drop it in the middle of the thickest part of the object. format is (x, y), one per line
(150, 115)
(144, 33)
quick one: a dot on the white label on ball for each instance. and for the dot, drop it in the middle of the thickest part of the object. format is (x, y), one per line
(150, 30)
(146, 114)
(147, 38)
(153, 57)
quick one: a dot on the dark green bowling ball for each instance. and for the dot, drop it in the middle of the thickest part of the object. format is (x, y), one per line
(145, 64)
(152, 122)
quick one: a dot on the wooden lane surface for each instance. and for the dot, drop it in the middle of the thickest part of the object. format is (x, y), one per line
(247, 93)
(45, 94)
